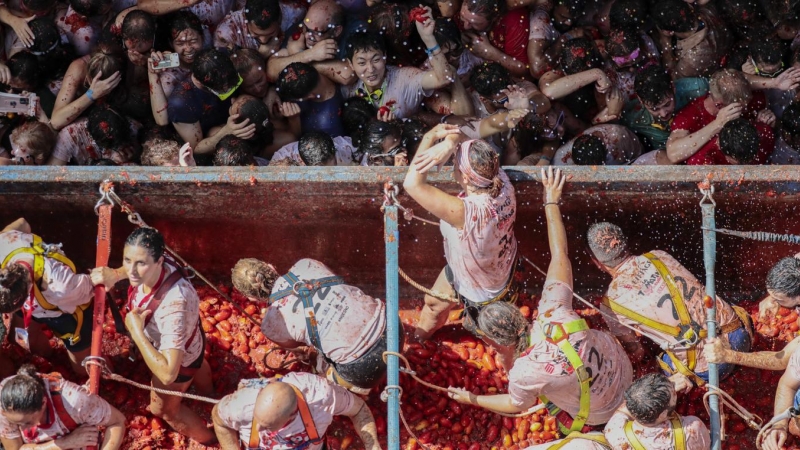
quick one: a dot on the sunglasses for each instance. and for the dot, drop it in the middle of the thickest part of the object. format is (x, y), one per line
(390, 153)
(501, 101)
(226, 95)
(318, 34)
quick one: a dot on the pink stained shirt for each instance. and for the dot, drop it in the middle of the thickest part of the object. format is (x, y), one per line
(482, 254)
(324, 399)
(658, 437)
(349, 321)
(544, 370)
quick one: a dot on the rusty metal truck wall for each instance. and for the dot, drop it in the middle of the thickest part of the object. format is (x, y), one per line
(213, 217)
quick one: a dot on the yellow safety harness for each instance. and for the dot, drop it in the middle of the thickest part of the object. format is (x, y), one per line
(39, 253)
(689, 331)
(599, 438)
(558, 333)
(678, 435)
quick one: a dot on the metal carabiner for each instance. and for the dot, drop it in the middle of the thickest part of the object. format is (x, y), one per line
(105, 197)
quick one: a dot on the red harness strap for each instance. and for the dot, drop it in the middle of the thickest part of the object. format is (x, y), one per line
(157, 295)
(55, 408)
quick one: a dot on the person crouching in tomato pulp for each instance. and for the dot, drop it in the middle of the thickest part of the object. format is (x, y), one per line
(349, 346)
(45, 411)
(163, 319)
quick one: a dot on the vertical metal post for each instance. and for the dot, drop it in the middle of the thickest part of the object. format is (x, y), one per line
(391, 236)
(710, 258)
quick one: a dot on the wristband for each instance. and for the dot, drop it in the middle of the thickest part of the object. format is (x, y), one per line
(90, 93)
(444, 118)
(550, 203)
(430, 51)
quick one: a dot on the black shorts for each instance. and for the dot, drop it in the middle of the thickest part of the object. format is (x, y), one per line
(369, 369)
(473, 310)
(66, 324)
(187, 372)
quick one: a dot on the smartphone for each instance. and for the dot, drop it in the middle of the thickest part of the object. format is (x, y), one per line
(169, 62)
(20, 104)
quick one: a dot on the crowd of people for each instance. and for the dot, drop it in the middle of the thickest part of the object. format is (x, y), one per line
(359, 82)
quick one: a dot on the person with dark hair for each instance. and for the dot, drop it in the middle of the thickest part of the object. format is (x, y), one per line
(536, 137)
(163, 319)
(787, 147)
(637, 303)
(138, 36)
(648, 419)
(264, 413)
(255, 111)
(495, 35)
(650, 113)
(449, 38)
(356, 114)
(195, 108)
(210, 12)
(381, 144)
(765, 70)
(316, 143)
(234, 151)
(489, 80)
(740, 143)
(103, 134)
(251, 67)
(612, 145)
(692, 41)
(413, 132)
(37, 410)
(557, 362)
(62, 306)
(629, 13)
(477, 226)
(87, 80)
(318, 98)
(24, 73)
(257, 26)
(349, 346)
(398, 89)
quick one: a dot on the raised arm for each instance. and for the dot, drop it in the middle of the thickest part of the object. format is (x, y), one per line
(439, 203)
(560, 267)
(555, 87)
(162, 7)
(681, 144)
(441, 73)
(115, 431)
(18, 225)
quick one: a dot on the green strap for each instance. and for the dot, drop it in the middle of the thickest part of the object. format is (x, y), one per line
(598, 438)
(678, 435)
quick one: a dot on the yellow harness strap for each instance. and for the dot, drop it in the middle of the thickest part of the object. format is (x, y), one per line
(678, 435)
(599, 438)
(557, 333)
(39, 254)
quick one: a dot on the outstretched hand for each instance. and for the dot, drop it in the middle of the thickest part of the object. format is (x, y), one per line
(553, 182)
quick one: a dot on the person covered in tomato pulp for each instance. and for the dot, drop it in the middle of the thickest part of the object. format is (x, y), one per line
(349, 327)
(163, 319)
(658, 297)
(648, 419)
(579, 374)
(478, 230)
(44, 409)
(288, 413)
(39, 285)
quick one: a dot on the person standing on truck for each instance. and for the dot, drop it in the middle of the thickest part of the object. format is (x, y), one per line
(312, 306)
(648, 419)
(478, 230)
(655, 295)
(163, 319)
(47, 411)
(579, 373)
(290, 412)
(39, 285)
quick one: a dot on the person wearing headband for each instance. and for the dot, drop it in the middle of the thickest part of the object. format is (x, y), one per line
(581, 374)
(478, 230)
(197, 108)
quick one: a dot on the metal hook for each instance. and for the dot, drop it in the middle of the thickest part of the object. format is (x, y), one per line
(106, 187)
(708, 195)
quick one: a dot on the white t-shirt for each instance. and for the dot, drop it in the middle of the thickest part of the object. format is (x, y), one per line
(74, 141)
(175, 319)
(82, 407)
(648, 159)
(60, 286)
(349, 321)
(541, 28)
(211, 12)
(324, 399)
(658, 437)
(575, 444)
(482, 254)
(344, 151)
(638, 286)
(402, 85)
(621, 143)
(544, 370)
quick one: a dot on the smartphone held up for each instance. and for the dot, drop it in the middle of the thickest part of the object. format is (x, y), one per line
(24, 104)
(170, 60)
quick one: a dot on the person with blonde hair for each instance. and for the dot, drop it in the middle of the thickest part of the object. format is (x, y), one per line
(87, 80)
(32, 143)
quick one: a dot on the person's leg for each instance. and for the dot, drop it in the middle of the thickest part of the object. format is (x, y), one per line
(76, 358)
(39, 344)
(181, 418)
(202, 380)
(434, 313)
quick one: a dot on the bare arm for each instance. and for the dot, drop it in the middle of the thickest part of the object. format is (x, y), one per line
(501, 122)
(560, 268)
(441, 74)
(324, 50)
(717, 352)
(18, 225)
(67, 108)
(164, 365)
(498, 403)
(228, 438)
(681, 145)
(337, 71)
(364, 424)
(538, 57)
(439, 203)
(460, 101)
(162, 7)
(784, 397)
(115, 431)
(11, 444)
(158, 98)
(555, 88)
